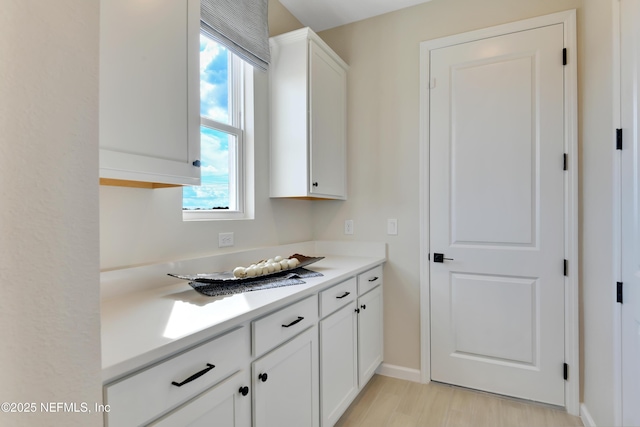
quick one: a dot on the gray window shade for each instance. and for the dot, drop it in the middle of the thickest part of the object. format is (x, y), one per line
(241, 25)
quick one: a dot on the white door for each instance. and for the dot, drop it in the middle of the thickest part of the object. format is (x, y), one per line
(370, 334)
(630, 180)
(497, 212)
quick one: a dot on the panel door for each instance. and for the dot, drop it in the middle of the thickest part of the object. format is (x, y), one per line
(286, 384)
(327, 122)
(338, 363)
(228, 404)
(370, 334)
(496, 214)
(630, 179)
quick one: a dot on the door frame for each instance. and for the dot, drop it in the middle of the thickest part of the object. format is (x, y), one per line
(571, 347)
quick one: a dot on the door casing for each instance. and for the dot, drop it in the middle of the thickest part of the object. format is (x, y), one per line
(568, 19)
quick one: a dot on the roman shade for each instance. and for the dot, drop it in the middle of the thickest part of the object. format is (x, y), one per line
(241, 25)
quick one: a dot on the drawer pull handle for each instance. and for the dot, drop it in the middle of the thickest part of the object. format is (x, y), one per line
(263, 377)
(194, 376)
(373, 279)
(364, 306)
(345, 294)
(244, 390)
(298, 320)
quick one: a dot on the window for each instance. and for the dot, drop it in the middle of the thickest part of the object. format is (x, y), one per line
(222, 136)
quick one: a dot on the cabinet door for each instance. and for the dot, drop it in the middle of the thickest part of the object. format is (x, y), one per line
(327, 123)
(149, 90)
(338, 363)
(286, 384)
(370, 334)
(226, 405)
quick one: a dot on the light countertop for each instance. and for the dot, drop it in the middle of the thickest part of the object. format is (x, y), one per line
(144, 326)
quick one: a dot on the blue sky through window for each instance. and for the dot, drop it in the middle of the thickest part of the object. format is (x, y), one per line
(213, 192)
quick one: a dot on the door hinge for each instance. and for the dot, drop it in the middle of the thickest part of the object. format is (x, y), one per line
(618, 139)
(566, 267)
(564, 56)
(619, 292)
(565, 372)
(565, 161)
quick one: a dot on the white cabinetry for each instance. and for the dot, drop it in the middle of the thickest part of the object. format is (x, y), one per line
(228, 404)
(286, 384)
(154, 391)
(370, 343)
(351, 340)
(370, 324)
(339, 362)
(149, 91)
(308, 86)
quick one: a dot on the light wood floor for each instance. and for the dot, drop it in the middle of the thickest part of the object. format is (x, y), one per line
(390, 402)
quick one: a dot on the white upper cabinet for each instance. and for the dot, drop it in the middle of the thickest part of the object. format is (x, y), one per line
(308, 88)
(149, 91)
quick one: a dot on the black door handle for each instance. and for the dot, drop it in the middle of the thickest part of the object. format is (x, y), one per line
(194, 376)
(440, 258)
(298, 320)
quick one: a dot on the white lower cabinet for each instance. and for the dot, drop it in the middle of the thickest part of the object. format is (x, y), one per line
(228, 404)
(284, 369)
(285, 384)
(370, 336)
(339, 362)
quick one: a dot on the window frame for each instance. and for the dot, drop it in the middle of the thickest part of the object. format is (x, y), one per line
(240, 120)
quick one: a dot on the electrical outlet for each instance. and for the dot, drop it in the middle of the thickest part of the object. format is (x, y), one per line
(392, 227)
(225, 240)
(348, 226)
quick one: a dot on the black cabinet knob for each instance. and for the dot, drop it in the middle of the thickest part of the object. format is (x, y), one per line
(315, 184)
(357, 310)
(196, 163)
(263, 377)
(364, 306)
(244, 390)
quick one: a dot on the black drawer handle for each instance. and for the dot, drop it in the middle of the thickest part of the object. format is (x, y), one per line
(345, 294)
(244, 390)
(373, 279)
(298, 320)
(263, 377)
(194, 376)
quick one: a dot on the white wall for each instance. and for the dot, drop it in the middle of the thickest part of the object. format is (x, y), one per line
(383, 107)
(49, 270)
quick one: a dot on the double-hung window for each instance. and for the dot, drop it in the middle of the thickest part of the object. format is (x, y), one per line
(222, 137)
(230, 30)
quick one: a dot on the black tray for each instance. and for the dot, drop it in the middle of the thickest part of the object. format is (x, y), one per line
(228, 277)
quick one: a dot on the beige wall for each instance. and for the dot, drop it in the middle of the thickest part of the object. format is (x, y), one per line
(49, 272)
(383, 109)
(139, 226)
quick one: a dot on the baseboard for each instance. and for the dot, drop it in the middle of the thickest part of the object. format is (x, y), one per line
(399, 372)
(585, 416)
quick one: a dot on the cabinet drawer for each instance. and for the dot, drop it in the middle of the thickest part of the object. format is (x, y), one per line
(337, 296)
(369, 279)
(151, 392)
(277, 327)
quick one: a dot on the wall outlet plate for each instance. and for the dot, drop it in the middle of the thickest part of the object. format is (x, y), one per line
(348, 226)
(225, 240)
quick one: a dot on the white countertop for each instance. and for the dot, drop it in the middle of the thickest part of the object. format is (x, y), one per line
(148, 324)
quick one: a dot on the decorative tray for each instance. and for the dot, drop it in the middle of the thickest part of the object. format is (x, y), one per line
(228, 277)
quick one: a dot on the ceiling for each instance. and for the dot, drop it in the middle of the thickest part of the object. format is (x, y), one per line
(324, 14)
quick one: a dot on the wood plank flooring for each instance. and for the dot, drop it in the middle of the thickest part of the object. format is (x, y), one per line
(390, 402)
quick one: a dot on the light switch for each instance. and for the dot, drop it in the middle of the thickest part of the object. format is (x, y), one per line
(392, 227)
